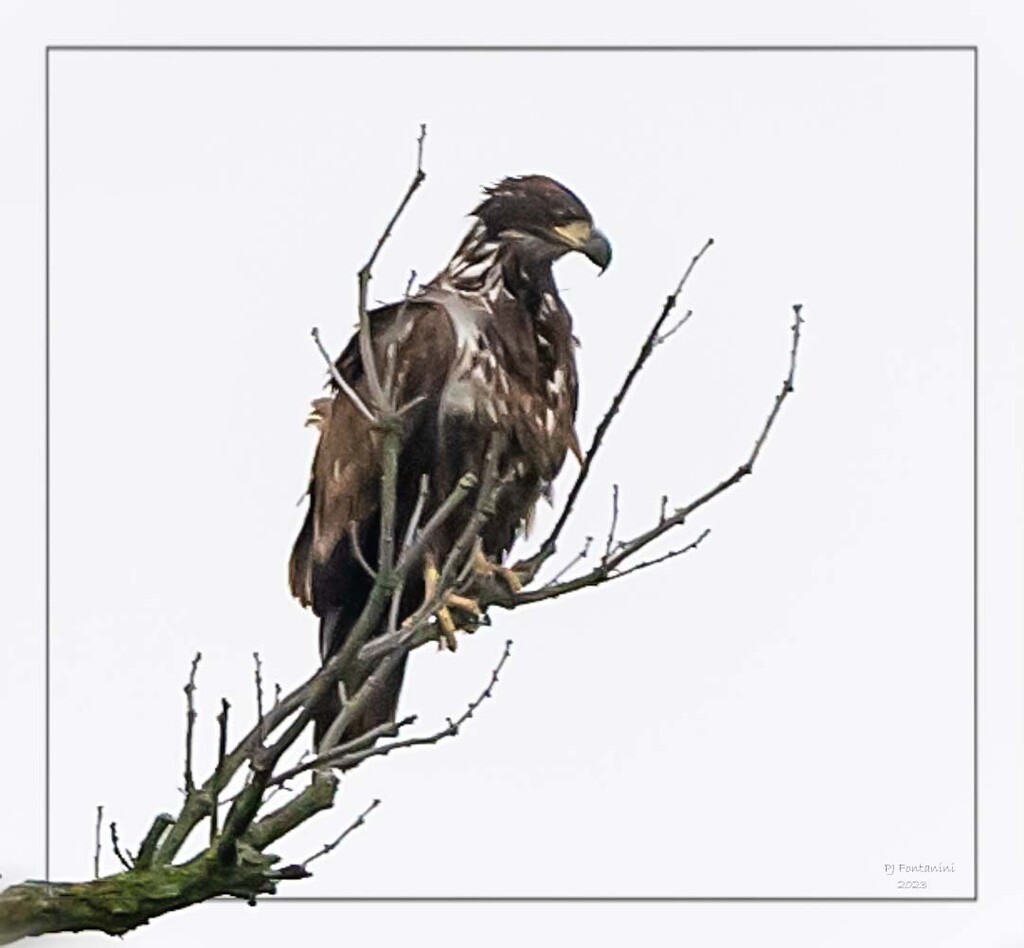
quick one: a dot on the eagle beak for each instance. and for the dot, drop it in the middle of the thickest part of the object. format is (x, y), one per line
(597, 249)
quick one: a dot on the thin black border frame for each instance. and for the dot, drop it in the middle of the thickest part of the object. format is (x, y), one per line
(529, 48)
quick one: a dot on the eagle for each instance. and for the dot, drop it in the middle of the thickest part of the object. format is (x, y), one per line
(484, 349)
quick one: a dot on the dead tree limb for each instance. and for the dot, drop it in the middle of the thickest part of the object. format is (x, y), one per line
(234, 859)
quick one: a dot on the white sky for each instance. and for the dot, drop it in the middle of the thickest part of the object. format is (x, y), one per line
(777, 714)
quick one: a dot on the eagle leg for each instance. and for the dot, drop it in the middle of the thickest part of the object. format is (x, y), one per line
(484, 567)
(452, 600)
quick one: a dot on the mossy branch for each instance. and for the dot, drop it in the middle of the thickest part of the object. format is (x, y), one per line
(117, 904)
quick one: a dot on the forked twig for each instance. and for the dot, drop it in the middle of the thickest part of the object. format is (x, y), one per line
(377, 393)
(582, 555)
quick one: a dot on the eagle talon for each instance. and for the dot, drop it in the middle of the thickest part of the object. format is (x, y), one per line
(511, 577)
(446, 640)
(465, 603)
(447, 626)
(484, 567)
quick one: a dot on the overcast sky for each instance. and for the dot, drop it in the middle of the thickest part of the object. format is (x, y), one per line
(779, 713)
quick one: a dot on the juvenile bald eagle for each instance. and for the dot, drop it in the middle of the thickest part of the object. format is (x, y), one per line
(488, 347)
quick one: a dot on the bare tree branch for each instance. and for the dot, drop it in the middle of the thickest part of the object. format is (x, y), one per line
(96, 854)
(357, 550)
(563, 588)
(197, 804)
(347, 761)
(258, 677)
(582, 555)
(359, 821)
(615, 521)
(346, 756)
(605, 570)
(326, 759)
(234, 861)
(548, 546)
(668, 333)
(127, 862)
(148, 846)
(377, 394)
(417, 515)
(190, 721)
(222, 750)
(339, 380)
(315, 798)
(787, 388)
(665, 556)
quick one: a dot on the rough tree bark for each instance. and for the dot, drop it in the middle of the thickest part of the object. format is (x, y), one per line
(242, 826)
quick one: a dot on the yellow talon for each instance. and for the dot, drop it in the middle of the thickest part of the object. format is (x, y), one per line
(484, 567)
(464, 603)
(446, 640)
(446, 624)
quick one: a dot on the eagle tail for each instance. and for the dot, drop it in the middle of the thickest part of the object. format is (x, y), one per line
(381, 707)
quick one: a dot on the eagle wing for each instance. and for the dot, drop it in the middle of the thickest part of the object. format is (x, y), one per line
(344, 485)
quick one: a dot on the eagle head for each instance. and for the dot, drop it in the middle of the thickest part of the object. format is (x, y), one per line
(544, 218)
